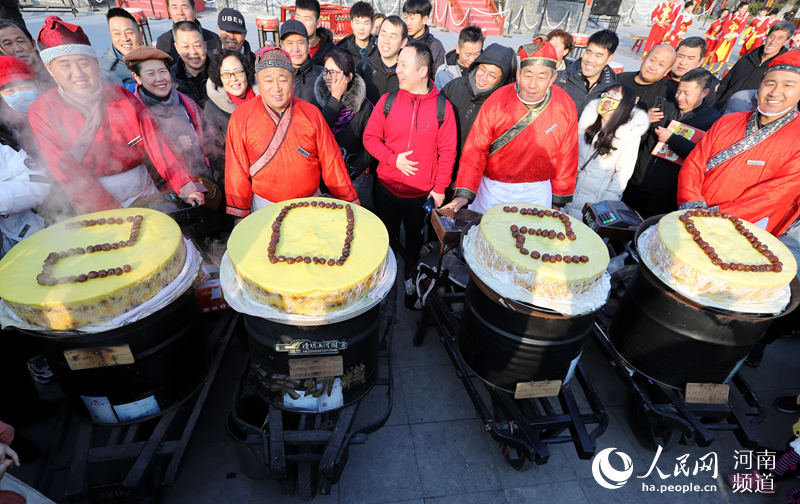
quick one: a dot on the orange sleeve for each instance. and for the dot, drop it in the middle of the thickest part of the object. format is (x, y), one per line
(238, 187)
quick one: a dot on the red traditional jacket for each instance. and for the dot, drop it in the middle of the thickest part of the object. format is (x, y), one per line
(307, 151)
(755, 35)
(678, 28)
(750, 172)
(713, 31)
(128, 136)
(547, 149)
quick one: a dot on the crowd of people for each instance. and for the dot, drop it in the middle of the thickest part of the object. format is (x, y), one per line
(388, 119)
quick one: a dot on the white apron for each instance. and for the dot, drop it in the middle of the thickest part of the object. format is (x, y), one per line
(130, 185)
(258, 202)
(492, 192)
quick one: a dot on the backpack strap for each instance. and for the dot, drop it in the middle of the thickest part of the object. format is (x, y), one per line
(387, 105)
(441, 103)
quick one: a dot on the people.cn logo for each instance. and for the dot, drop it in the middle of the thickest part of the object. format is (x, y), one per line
(607, 476)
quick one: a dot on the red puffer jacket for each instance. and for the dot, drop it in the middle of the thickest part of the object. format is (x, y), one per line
(412, 125)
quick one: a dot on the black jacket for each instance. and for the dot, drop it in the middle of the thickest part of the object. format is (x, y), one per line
(572, 81)
(466, 98)
(326, 43)
(661, 180)
(436, 47)
(350, 137)
(166, 42)
(248, 54)
(216, 114)
(193, 87)
(304, 79)
(377, 78)
(349, 44)
(745, 74)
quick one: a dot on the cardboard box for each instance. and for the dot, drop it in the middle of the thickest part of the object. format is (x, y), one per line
(208, 289)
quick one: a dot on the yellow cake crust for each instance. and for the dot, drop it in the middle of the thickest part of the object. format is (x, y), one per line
(672, 249)
(496, 248)
(306, 231)
(156, 258)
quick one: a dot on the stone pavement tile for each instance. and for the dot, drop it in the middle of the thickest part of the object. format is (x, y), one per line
(210, 474)
(547, 492)
(405, 354)
(268, 491)
(558, 467)
(375, 401)
(494, 497)
(779, 368)
(603, 378)
(434, 394)
(382, 470)
(454, 457)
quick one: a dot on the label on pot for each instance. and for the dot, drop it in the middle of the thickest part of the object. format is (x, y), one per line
(138, 409)
(308, 347)
(707, 393)
(89, 358)
(316, 367)
(99, 409)
(531, 389)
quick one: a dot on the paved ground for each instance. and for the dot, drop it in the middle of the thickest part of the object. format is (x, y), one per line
(433, 448)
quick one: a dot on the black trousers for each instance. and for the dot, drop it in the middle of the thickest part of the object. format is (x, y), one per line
(18, 395)
(394, 210)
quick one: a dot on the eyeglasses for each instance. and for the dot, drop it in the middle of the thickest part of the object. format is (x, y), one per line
(612, 95)
(229, 75)
(330, 73)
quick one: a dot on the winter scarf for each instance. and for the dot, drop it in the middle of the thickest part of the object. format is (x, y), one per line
(351, 101)
(173, 120)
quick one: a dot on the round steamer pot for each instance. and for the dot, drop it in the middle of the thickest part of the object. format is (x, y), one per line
(674, 340)
(354, 340)
(506, 342)
(170, 362)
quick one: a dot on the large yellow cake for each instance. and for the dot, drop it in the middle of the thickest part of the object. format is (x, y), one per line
(543, 250)
(57, 280)
(720, 257)
(309, 255)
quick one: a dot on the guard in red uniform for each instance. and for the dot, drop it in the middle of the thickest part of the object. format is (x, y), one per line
(96, 138)
(748, 164)
(278, 146)
(523, 145)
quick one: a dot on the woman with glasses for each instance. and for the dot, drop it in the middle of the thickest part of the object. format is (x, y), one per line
(342, 95)
(177, 115)
(231, 82)
(609, 131)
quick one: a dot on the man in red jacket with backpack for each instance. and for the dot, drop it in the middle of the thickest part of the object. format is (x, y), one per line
(412, 134)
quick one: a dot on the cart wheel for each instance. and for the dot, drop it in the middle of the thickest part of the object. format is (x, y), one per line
(514, 458)
(649, 429)
(305, 481)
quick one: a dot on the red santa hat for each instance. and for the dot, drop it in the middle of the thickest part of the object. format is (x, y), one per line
(788, 61)
(538, 52)
(57, 38)
(14, 69)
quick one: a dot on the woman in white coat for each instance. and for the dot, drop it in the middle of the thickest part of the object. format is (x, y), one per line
(610, 129)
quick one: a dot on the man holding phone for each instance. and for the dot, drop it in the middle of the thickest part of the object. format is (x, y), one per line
(656, 95)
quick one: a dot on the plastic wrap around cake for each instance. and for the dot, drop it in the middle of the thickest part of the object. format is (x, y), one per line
(539, 256)
(309, 256)
(719, 261)
(91, 268)
(240, 300)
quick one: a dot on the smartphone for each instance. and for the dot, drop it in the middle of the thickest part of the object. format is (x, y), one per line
(660, 103)
(429, 205)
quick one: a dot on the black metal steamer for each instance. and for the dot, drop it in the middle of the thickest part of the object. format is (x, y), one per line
(138, 371)
(500, 342)
(307, 450)
(658, 341)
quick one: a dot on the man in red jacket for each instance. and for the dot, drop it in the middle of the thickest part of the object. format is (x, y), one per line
(415, 152)
(523, 145)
